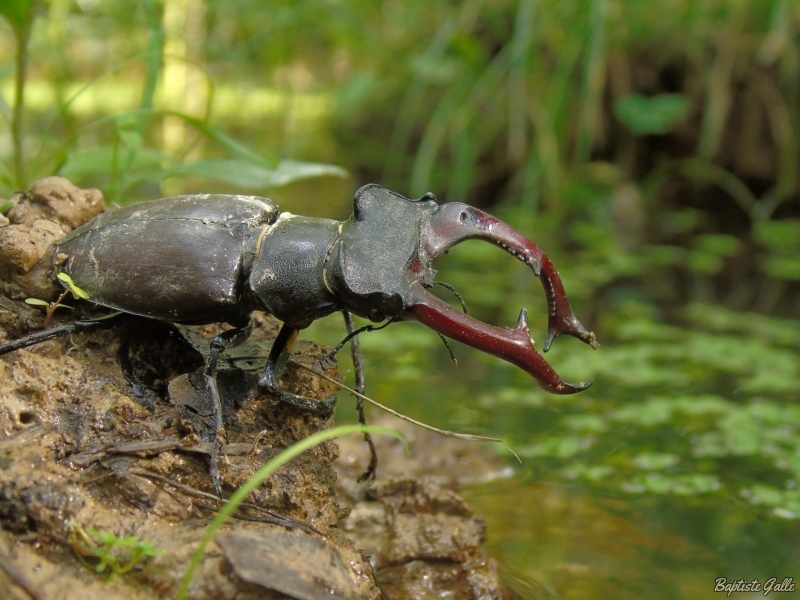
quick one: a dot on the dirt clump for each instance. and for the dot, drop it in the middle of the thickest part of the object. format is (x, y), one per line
(38, 218)
(421, 535)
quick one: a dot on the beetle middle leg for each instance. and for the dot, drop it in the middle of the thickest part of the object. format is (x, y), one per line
(278, 355)
(221, 343)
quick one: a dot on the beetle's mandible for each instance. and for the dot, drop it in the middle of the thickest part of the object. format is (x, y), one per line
(200, 259)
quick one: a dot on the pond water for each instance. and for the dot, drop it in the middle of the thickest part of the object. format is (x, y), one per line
(678, 467)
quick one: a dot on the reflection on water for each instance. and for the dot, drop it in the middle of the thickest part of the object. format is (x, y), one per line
(584, 545)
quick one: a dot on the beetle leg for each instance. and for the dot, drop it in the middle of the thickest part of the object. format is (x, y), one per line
(221, 343)
(358, 366)
(327, 362)
(74, 327)
(278, 355)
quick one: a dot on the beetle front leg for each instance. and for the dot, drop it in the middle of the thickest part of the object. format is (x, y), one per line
(278, 355)
(358, 366)
(221, 343)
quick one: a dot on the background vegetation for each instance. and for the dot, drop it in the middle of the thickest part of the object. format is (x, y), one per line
(652, 148)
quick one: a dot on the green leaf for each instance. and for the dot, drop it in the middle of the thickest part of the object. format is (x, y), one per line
(131, 139)
(764, 494)
(100, 160)
(664, 255)
(18, 13)
(559, 447)
(76, 291)
(779, 236)
(435, 70)
(246, 174)
(720, 245)
(651, 115)
(589, 472)
(684, 485)
(36, 302)
(781, 267)
(6, 206)
(230, 145)
(590, 423)
(705, 262)
(513, 395)
(654, 411)
(655, 461)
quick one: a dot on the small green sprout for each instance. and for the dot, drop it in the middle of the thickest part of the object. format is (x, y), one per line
(77, 293)
(104, 550)
(6, 206)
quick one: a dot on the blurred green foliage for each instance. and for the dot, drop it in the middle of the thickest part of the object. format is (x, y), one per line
(111, 150)
(651, 115)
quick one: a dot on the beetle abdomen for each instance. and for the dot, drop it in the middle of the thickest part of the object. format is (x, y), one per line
(178, 259)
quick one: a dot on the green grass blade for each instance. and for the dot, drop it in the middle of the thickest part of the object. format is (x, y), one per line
(520, 45)
(593, 81)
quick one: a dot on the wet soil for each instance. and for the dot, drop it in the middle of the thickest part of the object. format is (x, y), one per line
(103, 433)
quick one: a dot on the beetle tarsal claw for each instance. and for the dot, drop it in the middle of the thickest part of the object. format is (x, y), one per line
(324, 408)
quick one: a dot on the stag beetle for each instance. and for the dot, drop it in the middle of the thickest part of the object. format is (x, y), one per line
(199, 259)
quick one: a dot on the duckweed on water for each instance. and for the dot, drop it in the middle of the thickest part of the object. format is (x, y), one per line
(684, 411)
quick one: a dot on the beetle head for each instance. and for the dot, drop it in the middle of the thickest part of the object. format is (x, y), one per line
(383, 270)
(378, 253)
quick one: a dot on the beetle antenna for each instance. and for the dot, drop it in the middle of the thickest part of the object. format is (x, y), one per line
(326, 362)
(449, 349)
(449, 287)
(460, 436)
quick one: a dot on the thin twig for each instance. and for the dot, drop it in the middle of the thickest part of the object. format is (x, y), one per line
(259, 437)
(18, 577)
(277, 519)
(461, 436)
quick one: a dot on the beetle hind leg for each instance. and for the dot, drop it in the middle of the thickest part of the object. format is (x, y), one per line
(278, 355)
